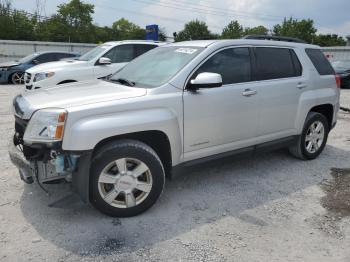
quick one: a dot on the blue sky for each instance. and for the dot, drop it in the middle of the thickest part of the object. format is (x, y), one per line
(329, 16)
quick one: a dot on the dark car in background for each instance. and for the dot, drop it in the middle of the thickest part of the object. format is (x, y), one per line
(342, 68)
(13, 71)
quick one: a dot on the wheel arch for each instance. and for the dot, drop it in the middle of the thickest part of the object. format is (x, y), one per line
(67, 81)
(155, 139)
(325, 109)
(9, 78)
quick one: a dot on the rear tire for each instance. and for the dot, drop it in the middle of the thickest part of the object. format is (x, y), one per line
(127, 178)
(313, 139)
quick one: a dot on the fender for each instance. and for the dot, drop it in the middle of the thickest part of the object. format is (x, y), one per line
(87, 132)
(312, 98)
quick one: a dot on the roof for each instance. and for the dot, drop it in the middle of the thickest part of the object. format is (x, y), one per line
(48, 52)
(206, 43)
(136, 42)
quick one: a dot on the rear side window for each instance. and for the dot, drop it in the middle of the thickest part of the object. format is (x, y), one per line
(44, 58)
(321, 63)
(232, 64)
(274, 63)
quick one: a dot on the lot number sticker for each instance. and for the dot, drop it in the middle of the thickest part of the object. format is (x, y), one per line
(189, 51)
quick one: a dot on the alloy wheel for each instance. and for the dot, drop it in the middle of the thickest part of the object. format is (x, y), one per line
(314, 137)
(125, 183)
(18, 78)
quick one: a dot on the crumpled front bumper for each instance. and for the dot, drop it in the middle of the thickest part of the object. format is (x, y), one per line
(25, 169)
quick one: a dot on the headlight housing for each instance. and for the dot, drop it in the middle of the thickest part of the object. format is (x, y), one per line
(43, 75)
(3, 68)
(46, 125)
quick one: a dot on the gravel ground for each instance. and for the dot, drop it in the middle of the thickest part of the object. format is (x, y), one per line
(270, 207)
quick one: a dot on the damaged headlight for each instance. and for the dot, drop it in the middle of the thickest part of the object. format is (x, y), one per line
(46, 125)
(43, 75)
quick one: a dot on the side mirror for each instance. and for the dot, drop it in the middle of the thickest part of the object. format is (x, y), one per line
(35, 62)
(205, 80)
(104, 61)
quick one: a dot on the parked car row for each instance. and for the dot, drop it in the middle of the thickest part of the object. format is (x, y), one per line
(117, 139)
(100, 62)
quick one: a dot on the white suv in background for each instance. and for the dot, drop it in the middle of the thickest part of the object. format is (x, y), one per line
(100, 62)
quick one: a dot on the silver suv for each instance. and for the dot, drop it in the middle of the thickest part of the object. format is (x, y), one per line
(116, 140)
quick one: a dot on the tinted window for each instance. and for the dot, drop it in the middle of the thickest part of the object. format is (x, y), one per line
(63, 55)
(320, 62)
(141, 49)
(273, 63)
(44, 58)
(232, 64)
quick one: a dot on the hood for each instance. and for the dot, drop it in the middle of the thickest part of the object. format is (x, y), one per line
(54, 66)
(9, 64)
(76, 94)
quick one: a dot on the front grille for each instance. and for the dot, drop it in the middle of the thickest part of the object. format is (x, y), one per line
(27, 77)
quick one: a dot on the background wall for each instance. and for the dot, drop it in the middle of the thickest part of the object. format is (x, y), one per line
(337, 53)
(14, 50)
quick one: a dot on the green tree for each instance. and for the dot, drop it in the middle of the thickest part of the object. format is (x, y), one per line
(124, 29)
(15, 24)
(233, 30)
(162, 34)
(258, 30)
(194, 30)
(74, 20)
(329, 40)
(303, 29)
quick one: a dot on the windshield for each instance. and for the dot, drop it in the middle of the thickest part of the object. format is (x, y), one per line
(157, 66)
(27, 58)
(345, 64)
(93, 53)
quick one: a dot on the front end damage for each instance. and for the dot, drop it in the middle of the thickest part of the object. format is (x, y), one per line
(48, 163)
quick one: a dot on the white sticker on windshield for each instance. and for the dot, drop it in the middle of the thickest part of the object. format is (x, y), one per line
(189, 51)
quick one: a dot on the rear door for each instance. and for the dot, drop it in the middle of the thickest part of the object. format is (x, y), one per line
(280, 82)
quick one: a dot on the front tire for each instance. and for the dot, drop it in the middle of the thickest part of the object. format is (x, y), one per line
(127, 178)
(17, 78)
(313, 139)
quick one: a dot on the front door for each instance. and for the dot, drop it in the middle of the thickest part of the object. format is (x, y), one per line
(223, 118)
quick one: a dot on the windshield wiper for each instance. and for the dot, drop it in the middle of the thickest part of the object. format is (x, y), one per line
(123, 81)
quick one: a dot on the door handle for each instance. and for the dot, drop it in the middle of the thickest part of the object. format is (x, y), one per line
(249, 92)
(301, 85)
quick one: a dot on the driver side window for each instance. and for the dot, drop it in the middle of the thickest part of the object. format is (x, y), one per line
(233, 64)
(121, 54)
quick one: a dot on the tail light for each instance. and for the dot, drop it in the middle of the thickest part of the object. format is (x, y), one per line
(337, 80)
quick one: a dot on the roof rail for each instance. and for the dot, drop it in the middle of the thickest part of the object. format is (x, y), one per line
(275, 38)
